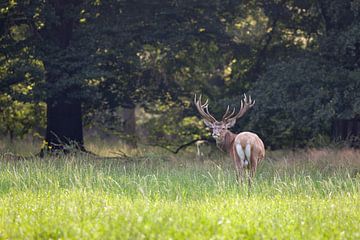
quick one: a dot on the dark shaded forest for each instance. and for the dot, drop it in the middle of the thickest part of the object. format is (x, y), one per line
(132, 68)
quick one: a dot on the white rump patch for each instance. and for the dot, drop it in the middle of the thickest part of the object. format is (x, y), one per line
(244, 155)
(240, 152)
(248, 151)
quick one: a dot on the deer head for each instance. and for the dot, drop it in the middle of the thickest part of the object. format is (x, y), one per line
(220, 128)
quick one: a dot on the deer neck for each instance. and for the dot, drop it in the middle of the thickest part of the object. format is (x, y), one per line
(226, 144)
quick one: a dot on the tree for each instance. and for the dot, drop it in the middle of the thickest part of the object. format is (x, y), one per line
(82, 57)
(312, 94)
(91, 48)
(44, 32)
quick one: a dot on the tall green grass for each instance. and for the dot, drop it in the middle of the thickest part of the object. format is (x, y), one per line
(306, 195)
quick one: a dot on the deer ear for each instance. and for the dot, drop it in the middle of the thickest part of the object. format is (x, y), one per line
(231, 123)
(208, 124)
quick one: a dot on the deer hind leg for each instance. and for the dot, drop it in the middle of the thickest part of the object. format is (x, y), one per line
(249, 163)
(239, 161)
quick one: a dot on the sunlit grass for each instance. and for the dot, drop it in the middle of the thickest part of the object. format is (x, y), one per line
(304, 195)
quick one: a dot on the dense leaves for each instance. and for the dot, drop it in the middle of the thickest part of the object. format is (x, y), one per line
(299, 59)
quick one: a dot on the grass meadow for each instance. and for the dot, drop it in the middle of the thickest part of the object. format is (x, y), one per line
(307, 194)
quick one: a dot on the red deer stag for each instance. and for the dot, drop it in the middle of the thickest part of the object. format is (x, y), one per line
(245, 148)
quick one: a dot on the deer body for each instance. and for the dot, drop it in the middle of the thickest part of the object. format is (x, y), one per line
(246, 148)
(248, 151)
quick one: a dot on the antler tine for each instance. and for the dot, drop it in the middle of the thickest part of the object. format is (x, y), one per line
(206, 109)
(195, 100)
(206, 104)
(232, 113)
(228, 115)
(250, 101)
(245, 105)
(226, 112)
(203, 109)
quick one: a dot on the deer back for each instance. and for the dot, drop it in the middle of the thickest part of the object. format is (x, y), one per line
(251, 139)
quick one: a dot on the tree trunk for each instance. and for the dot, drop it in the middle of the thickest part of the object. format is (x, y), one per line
(130, 126)
(64, 125)
(11, 136)
(347, 130)
(64, 116)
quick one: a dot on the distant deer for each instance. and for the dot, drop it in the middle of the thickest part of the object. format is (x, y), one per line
(246, 148)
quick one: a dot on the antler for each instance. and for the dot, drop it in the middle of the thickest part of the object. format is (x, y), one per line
(246, 104)
(228, 114)
(203, 109)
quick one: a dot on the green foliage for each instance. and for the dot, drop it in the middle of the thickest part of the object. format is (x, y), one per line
(170, 128)
(300, 59)
(296, 101)
(19, 118)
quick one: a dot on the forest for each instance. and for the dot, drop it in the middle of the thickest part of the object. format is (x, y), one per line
(131, 69)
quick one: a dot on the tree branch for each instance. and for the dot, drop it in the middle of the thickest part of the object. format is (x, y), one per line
(184, 146)
(326, 18)
(261, 54)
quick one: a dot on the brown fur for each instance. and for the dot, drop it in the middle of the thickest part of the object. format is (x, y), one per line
(227, 143)
(257, 149)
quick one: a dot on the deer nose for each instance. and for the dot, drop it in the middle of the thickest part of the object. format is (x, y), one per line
(215, 135)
